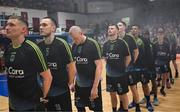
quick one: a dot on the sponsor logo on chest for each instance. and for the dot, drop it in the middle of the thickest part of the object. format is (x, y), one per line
(15, 73)
(112, 56)
(80, 60)
(53, 65)
(160, 53)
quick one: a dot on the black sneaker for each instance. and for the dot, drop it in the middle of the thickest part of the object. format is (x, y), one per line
(138, 109)
(162, 92)
(150, 107)
(132, 105)
(120, 109)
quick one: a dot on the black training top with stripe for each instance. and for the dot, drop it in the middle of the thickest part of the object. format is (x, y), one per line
(115, 52)
(150, 55)
(162, 53)
(22, 66)
(132, 45)
(58, 55)
(85, 55)
(144, 51)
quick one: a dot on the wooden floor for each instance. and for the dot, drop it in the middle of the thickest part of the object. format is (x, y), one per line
(3, 103)
(170, 103)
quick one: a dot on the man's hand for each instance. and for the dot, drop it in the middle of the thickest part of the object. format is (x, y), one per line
(71, 87)
(43, 100)
(94, 93)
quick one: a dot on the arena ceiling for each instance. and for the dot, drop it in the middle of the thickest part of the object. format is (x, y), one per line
(67, 5)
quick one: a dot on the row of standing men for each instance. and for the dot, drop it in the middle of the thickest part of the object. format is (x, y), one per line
(129, 59)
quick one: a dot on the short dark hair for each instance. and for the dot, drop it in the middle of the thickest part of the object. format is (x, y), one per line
(53, 20)
(20, 19)
(136, 25)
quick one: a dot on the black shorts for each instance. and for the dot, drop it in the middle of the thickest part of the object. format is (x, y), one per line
(135, 76)
(130, 69)
(133, 79)
(82, 95)
(151, 74)
(162, 69)
(117, 84)
(60, 102)
(144, 78)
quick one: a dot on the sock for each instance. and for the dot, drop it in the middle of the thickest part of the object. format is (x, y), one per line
(170, 73)
(137, 107)
(121, 105)
(147, 98)
(162, 88)
(125, 110)
(176, 71)
(155, 96)
(114, 109)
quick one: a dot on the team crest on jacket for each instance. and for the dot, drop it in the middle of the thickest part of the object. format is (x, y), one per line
(12, 56)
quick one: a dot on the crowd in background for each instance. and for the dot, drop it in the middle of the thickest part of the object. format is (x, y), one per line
(172, 30)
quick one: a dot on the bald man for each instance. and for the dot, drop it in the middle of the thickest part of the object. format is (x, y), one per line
(87, 54)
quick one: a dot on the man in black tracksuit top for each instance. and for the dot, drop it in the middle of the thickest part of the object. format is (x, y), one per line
(133, 78)
(141, 63)
(87, 54)
(162, 58)
(61, 64)
(24, 62)
(171, 39)
(117, 57)
(151, 72)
